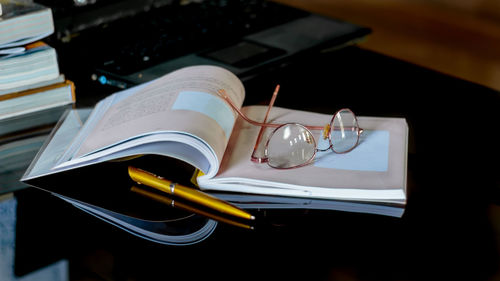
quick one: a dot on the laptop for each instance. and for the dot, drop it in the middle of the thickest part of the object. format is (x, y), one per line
(122, 43)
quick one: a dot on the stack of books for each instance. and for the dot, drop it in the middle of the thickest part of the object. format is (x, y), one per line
(33, 93)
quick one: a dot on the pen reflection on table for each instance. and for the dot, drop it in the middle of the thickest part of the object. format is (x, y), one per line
(183, 206)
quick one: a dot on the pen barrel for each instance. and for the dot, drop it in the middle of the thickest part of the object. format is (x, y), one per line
(212, 202)
(149, 179)
(186, 193)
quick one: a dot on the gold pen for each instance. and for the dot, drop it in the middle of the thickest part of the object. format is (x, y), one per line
(190, 194)
(176, 204)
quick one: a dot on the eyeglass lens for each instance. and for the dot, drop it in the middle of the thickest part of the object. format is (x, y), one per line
(293, 145)
(289, 146)
(344, 132)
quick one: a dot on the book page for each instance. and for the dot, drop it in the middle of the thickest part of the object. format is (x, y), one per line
(184, 102)
(57, 143)
(378, 163)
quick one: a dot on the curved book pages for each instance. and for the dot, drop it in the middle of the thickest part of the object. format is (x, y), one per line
(179, 115)
(182, 229)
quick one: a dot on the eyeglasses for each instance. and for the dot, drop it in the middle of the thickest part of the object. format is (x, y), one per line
(293, 145)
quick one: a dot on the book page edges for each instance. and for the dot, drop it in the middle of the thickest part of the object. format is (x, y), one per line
(244, 185)
(171, 144)
(41, 90)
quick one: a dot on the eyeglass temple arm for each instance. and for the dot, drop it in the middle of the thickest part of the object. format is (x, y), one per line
(271, 103)
(254, 156)
(224, 95)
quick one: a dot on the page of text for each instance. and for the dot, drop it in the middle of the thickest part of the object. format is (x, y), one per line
(184, 101)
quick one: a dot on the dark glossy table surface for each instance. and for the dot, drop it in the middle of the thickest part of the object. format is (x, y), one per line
(450, 229)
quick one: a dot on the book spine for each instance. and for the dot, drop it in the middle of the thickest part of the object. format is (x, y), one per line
(40, 90)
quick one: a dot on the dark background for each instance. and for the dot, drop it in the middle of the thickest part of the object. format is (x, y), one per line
(449, 229)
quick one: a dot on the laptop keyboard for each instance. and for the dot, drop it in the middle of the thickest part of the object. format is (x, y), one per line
(135, 43)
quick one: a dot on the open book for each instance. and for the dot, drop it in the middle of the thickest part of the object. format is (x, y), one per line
(181, 115)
